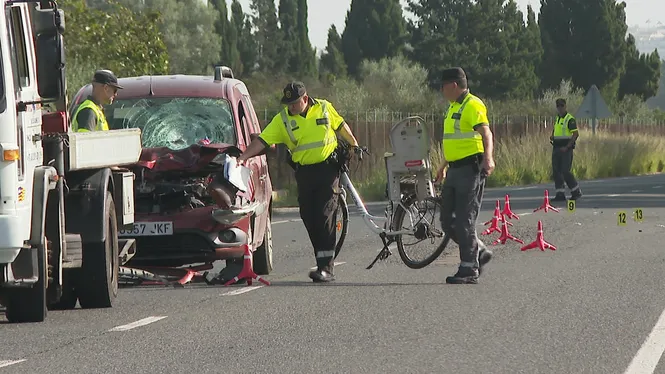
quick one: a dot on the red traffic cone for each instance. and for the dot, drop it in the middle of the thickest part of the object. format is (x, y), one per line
(247, 271)
(495, 221)
(539, 242)
(497, 216)
(546, 204)
(505, 235)
(506, 210)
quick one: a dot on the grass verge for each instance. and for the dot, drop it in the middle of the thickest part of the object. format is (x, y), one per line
(528, 160)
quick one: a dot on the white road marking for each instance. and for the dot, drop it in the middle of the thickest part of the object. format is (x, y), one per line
(613, 195)
(286, 221)
(139, 323)
(646, 359)
(654, 187)
(634, 191)
(340, 263)
(241, 291)
(5, 363)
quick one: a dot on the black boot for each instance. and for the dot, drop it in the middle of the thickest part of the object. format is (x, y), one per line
(464, 275)
(322, 275)
(576, 194)
(560, 196)
(484, 257)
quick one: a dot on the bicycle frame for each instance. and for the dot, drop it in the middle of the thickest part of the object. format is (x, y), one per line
(369, 219)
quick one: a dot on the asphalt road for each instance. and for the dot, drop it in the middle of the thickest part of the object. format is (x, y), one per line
(587, 307)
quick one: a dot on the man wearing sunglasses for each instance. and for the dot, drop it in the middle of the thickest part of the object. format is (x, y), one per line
(563, 140)
(89, 115)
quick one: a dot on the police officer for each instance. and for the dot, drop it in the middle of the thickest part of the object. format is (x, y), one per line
(564, 136)
(308, 127)
(89, 115)
(468, 153)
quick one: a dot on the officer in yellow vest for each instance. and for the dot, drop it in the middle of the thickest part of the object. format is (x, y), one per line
(89, 116)
(564, 136)
(309, 128)
(469, 158)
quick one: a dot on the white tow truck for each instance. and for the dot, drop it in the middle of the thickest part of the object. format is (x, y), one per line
(62, 196)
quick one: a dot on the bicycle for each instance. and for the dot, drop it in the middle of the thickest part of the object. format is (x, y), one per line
(393, 216)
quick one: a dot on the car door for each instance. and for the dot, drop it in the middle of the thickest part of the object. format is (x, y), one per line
(254, 163)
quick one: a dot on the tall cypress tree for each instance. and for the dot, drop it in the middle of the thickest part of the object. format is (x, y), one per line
(247, 45)
(229, 56)
(307, 66)
(374, 29)
(642, 74)
(585, 41)
(268, 36)
(288, 25)
(332, 59)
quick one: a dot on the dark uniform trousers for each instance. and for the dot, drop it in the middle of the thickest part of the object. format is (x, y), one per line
(318, 190)
(562, 164)
(462, 196)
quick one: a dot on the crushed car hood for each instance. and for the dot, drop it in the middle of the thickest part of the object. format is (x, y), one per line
(191, 160)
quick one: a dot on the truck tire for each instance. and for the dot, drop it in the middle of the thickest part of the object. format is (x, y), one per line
(262, 257)
(98, 283)
(29, 304)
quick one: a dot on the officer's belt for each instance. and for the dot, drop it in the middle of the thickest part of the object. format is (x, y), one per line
(329, 161)
(466, 161)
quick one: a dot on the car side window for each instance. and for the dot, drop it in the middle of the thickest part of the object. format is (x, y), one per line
(254, 127)
(244, 123)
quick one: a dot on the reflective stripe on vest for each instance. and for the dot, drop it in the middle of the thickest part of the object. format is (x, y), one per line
(561, 131)
(294, 124)
(458, 134)
(101, 119)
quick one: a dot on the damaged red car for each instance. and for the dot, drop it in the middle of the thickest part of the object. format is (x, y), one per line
(187, 210)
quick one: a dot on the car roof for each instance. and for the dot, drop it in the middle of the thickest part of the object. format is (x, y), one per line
(172, 85)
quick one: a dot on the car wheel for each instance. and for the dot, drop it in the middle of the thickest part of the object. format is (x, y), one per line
(263, 255)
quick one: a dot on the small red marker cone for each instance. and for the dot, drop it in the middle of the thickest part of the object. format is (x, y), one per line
(505, 235)
(497, 216)
(247, 271)
(506, 210)
(539, 242)
(546, 204)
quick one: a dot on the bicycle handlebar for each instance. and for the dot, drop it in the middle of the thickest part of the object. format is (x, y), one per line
(359, 152)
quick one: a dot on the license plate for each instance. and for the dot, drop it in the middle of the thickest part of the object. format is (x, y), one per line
(148, 229)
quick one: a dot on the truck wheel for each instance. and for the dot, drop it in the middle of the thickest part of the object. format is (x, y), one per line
(29, 304)
(262, 257)
(98, 284)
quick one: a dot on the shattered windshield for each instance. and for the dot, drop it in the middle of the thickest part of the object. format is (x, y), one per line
(174, 122)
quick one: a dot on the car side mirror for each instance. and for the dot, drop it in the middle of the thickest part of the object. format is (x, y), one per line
(272, 148)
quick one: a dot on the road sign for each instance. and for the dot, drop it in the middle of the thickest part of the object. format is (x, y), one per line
(593, 106)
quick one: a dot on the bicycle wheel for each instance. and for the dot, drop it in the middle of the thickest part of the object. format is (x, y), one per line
(341, 222)
(423, 230)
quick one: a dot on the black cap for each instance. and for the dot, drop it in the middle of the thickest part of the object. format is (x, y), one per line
(293, 91)
(106, 77)
(452, 75)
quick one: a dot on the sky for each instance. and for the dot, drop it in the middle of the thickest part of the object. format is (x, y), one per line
(323, 13)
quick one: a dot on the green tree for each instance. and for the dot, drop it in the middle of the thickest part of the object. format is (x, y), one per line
(585, 41)
(642, 74)
(247, 44)
(307, 63)
(288, 25)
(229, 55)
(268, 36)
(332, 59)
(374, 29)
(128, 43)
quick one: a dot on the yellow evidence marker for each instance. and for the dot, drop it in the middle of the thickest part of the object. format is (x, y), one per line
(621, 218)
(571, 206)
(638, 215)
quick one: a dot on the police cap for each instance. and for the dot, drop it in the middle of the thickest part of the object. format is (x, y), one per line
(455, 74)
(293, 91)
(106, 77)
